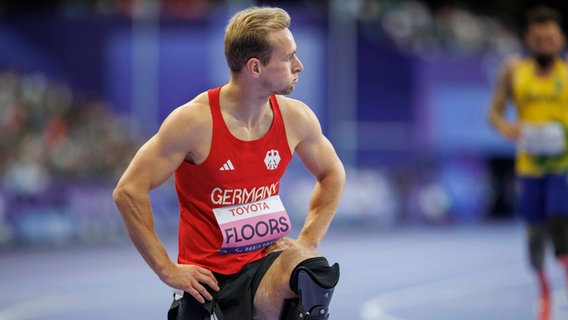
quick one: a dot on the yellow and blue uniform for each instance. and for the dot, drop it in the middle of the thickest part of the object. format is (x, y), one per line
(539, 100)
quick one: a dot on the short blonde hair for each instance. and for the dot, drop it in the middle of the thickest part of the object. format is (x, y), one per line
(246, 35)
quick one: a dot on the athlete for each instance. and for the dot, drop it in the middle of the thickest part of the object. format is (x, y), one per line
(227, 149)
(538, 87)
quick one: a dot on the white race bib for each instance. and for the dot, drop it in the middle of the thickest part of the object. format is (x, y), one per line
(543, 140)
(252, 226)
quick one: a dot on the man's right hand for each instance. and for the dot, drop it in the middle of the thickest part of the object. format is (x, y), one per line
(510, 130)
(191, 279)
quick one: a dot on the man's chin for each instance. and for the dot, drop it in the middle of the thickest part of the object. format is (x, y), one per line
(286, 91)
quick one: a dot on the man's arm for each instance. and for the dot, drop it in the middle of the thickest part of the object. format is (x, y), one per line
(501, 95)
(152, 165)
(320, 159)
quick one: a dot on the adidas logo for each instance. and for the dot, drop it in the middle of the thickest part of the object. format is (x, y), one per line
(227, 166)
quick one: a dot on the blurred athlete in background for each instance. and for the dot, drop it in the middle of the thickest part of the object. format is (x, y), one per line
(538, 87)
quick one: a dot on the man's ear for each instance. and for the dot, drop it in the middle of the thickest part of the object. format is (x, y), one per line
(254, 67)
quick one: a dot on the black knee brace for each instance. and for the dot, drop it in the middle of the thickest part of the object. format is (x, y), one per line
(314, 282)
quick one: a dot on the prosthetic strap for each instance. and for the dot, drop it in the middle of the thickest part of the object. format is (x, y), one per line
(210, 310)
(313, 280)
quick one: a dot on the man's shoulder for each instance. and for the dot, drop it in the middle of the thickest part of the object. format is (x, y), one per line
(193, 115)
(298, 117)
(292, 107)
(195, 109)
(510, 66)
(198, 104)
(187, 125)
(514, 61)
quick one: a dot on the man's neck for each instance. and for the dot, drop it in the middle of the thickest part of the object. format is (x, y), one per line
(242, 102)
(544, 65)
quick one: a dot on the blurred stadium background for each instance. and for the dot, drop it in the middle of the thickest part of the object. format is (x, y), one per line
(401, 88)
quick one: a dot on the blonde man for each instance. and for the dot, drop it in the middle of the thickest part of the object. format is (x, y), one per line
(228, 149)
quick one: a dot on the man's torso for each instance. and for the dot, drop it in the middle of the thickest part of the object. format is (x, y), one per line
(541, 100)
(233, 172)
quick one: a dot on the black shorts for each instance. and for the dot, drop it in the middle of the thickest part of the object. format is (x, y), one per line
(234, 299)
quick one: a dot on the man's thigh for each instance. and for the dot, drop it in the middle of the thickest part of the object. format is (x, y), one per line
(557, 195)
(531, 199)
(234, 300)
(275, 285)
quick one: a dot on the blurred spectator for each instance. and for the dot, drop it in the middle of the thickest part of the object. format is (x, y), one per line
(48, 132)
(180, 9)
(417, 29)
(53, 146)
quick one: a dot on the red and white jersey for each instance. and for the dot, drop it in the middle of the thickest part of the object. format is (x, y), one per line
(234, 172)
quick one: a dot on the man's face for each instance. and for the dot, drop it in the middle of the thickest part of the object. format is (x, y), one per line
(544, 39)
(281, 72)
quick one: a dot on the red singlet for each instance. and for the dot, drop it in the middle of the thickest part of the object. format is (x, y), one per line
(234, 172)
